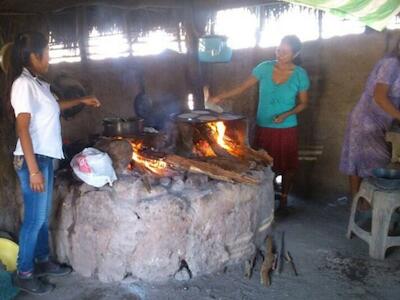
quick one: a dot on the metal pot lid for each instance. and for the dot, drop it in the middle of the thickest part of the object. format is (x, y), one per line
(113, 120)
(205, 116)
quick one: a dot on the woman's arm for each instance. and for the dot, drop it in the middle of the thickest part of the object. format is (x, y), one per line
(301, 105)
(89, 101)
(248, 83)
(35, 176)
(381, 98)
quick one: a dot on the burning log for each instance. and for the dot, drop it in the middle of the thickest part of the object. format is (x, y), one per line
(132, 153)
(208, 169)
(222, 145)
(154, 165)
(204, 137)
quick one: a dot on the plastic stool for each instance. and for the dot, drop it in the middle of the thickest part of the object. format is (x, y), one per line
(383, 203)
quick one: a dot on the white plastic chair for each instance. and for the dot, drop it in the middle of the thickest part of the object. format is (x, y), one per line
(383, 203)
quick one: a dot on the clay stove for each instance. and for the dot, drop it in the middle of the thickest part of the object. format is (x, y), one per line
(206, 201)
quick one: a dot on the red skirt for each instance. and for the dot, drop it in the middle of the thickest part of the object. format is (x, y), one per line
(282, 145)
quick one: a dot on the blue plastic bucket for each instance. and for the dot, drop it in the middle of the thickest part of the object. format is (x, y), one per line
(214, 49)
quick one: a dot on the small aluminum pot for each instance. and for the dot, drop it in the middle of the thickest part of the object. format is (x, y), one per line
(122, 127)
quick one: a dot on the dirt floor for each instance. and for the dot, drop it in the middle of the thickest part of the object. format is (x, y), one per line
(329, 265)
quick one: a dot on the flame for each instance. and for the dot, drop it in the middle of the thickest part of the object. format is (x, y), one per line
(202, 148)
(221, 128)
(218, 130)
(218, 133)
(156, 166)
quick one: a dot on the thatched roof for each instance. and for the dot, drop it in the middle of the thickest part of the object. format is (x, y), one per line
(46, 6)
(60, 17)
(63, 19)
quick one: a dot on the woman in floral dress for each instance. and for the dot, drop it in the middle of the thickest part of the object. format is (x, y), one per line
(364, 146)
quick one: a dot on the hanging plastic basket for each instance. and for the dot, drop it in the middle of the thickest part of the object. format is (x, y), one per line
(214, 49)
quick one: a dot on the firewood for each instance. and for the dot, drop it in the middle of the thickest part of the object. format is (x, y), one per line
(236, 150)
(260, 155)
(210, 170)
(267, 264)
(205, 133)
(231, 164)
(230, 168)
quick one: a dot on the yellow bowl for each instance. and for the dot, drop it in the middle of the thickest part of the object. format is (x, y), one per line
(8, 254)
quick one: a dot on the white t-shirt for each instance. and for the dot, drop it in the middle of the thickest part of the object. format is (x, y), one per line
(31, 95)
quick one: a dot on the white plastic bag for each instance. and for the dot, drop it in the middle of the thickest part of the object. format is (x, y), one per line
(94, 167)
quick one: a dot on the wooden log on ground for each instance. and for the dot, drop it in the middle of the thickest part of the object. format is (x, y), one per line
(267, 264)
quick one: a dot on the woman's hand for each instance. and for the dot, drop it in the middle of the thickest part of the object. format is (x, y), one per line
(215, 100)
(381, 97)
(37, 182)
(91, 101)
(244, 86)
(280, 118)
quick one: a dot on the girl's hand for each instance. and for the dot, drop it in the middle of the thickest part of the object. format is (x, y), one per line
(279, 118)
(37, 182)
(91, 101)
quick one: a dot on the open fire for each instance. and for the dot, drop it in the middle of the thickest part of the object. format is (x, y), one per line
(218, 133)
(217, 148)
(155, 165)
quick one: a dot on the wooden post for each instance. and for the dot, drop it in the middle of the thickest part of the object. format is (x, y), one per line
(261, 18)
(83, 33)
(194, 71)
(320, 17)
(128, 32)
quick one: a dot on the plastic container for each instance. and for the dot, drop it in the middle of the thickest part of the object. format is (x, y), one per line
(214, 49)
(8, 254)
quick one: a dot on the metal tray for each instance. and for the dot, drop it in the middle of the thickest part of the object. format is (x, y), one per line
(199, 117)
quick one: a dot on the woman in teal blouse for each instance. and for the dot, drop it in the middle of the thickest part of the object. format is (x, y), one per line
(283, 94)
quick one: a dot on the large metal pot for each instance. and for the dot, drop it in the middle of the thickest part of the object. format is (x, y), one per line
(122, 127)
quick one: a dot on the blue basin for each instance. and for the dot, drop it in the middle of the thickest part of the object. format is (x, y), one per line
(386, 173)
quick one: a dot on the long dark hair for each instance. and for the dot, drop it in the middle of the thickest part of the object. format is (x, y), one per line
(24, 45)
(295, 44)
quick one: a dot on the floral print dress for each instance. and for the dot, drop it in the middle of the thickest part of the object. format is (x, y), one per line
(364, 145)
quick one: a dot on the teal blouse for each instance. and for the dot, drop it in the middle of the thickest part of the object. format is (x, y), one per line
(276, 99)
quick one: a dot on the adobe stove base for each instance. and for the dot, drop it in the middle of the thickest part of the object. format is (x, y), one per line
(124, 231)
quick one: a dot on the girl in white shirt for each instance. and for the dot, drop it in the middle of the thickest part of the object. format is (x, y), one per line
(38, 127)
